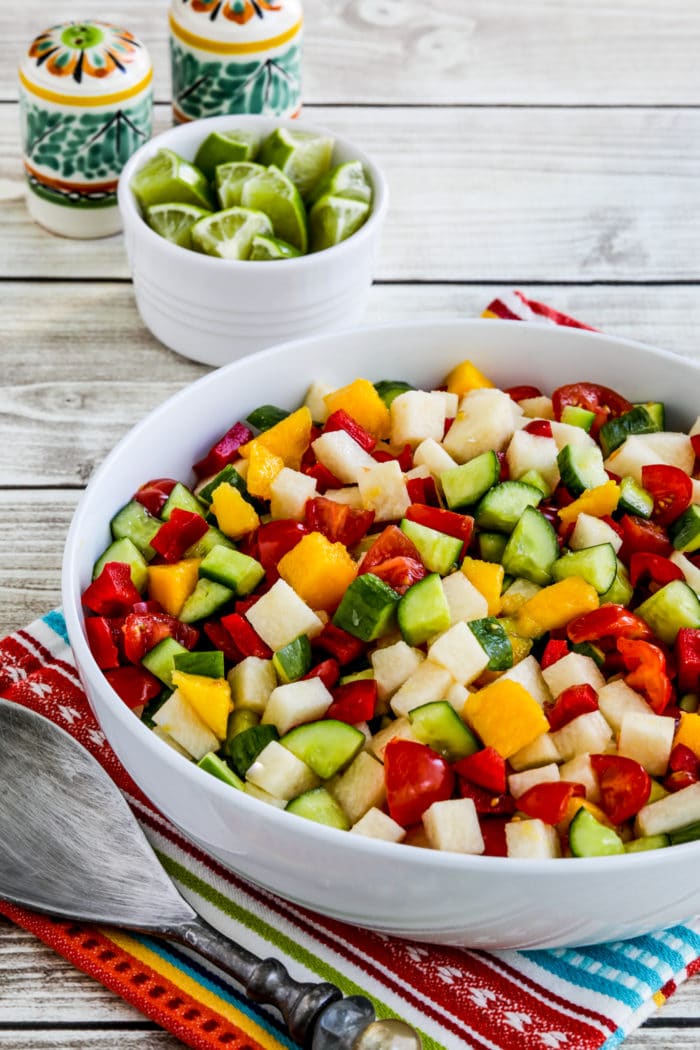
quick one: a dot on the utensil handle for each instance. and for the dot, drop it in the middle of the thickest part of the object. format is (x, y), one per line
(266, 980)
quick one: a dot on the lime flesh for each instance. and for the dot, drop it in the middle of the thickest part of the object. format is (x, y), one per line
(229, 234)
(334, 219)
(230, 179)
(266, 248)
(276, 195)
(222, 147)
(345, 180)
(167, 178)
(174, 221)
(304, 156)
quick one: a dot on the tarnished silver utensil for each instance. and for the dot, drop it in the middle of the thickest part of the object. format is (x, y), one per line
(71, 847)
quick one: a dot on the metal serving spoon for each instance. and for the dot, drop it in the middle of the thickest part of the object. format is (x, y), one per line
(71, 847)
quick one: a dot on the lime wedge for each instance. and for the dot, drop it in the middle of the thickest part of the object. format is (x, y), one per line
(345, 180)
(272, 192)
(230, 179)
(304, 156)
(167, 178)
(221, 147)
(333, 219)
(265, 248)
(174, 221)
(229, 234)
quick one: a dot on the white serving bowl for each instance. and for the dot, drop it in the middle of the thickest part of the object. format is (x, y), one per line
(486, 902)
(216, 310)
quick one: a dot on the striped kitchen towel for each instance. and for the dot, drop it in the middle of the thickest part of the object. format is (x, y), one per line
(566, 999)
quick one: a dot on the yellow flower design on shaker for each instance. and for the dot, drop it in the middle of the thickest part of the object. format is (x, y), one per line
(240, 11)
(79, 49)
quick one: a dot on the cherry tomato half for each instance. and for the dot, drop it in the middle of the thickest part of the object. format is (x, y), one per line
(549, 801)
(624, 784)
(153, 494)
(606, 403)
(415, 777)
(671, 489)
(646, 667)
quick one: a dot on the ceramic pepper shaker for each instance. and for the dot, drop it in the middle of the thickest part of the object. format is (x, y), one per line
(235, 56)
(85, 105)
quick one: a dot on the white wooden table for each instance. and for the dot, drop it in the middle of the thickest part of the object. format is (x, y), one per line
(551, 145)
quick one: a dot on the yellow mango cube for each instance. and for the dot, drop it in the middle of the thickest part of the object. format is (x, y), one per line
(505, 716)
(234, 515)
(597, 502)
(465, 377)
(263, 468)
(487, 577)
(171, 585)
(319, 571)
(554, 606)
(210, 698)
(361, 401)
(287, 439)
(688, 732)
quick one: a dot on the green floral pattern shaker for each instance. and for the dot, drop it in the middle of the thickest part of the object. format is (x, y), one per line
(85, 107)
(235, 56)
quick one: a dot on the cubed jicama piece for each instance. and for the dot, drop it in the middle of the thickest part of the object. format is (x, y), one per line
(675, 811)
(430, 681)
(289, 492)
(349, 496)
(360, 787)
(647, 738)
(290, 705)
(630, 457)
(252, 681)
(464, 601)
(315, 403)
(183, 724)
(280, 773)
(578, 770)
(520, 591)
(376, 824)
(691, 573)
(590, 531)
(163, 735)
(540, 752)
(483, 422)
(264, 796)
(432, 455)
(671, 447)
(456, 696)
(279, 616)
(532, 840)
(392, 665)
(415, 416)
(537, 408)
(417, 472)
(399, 729)
(531, 452)
(342, 455)
(519, 783)
(566, 434)
(587, 734)
(505, 716)
(453, 826)
(383, 490)
(617, 698)
(529, 674)
(572, 669)
(450, 401)
(459, 652)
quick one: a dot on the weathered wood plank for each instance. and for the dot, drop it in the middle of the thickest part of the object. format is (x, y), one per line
(75, 1039)
(509, 194)
(452, 52)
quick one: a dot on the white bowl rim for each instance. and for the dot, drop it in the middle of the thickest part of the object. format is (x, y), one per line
(131, 214)
(396, 852)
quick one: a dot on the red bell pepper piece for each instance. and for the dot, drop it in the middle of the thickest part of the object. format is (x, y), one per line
(604, 402)
(555, 649)
(134, 685)
(354, 702)
(404, 458)
(608, 621)
(695, 442)
(340, 420)
(274, 540)
(646, 666)
(450, 522)
(113, 592)
(341, 645)
(247, 640)
(327, 670)
(338, 522)
(683, 759)
(182, 529)
(687, 655)
(223, 451)
(572, 702)
(659, 570)
(638, 534)
(486, 803)
(679, 780)
(522, 393)
(102, 635)
(324, 479)
(422, 490)
(671, 489)
(487, 768)
(494, 835)
(415, 777)
(141, 631)
(153, 495)
(549, 801)
(539, 427)
(221, 639)
(624, 784)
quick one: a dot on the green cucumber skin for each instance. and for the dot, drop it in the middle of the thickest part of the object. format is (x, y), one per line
(160, 660)
(182, 498)
(581, 468)
(634, 499)
(613, 433)
(494, 640)
(326, 746)
(216, 767)
(423, 611)
(438, 725)
(209, 663)
(464, 486)
(671, 607)
(685, 530)
(233, 569)
(596, 565)
(242, 749)
(320, 806)
(503, 505)
(294, 660)
(367, 608)
(532, 548)
(123, 550)
(133, 522)
(388, 389)
(439, 552)
(266, 416)
(207, 598)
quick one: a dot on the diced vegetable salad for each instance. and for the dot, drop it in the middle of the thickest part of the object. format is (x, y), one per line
(463, 618)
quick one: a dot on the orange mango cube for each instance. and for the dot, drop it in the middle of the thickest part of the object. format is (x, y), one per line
(171, 585)
(487, 577)
(287, 439)
(361, 401)
(319, 571)
(234, 515)
(505, 716)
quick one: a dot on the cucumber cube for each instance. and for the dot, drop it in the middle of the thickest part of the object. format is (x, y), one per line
(133, 522)
(494, 640)
(439, 552)
(685, 530)
(319, 805)
(671, 607)
(532, 548)
(466, 484)
(125, 551)
(326, 746)
(439, 726)
(213, 537)
(160, 660)
(244, 748)
(503, 506)
(232, 569)
(613, 433)
(209, 663)
(367, 607)
(634, 499)
(596, 565)
(293, 660)
(182, 498)
(206, 599)
(423, 611)
(211, 763)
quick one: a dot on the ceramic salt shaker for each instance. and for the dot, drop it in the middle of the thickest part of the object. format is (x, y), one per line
(86, 105)
(235, 56)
